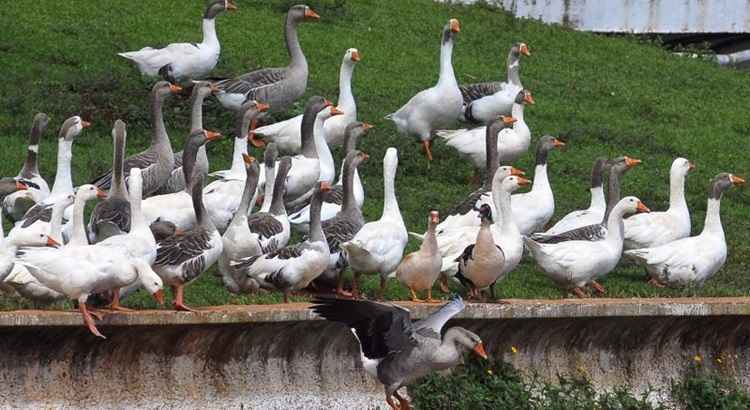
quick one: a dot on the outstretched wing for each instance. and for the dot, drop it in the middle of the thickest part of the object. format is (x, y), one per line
(432, 325)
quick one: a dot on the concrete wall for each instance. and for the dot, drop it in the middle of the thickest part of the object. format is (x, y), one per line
(268, 357)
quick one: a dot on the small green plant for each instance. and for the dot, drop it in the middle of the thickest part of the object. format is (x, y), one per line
(704, 390)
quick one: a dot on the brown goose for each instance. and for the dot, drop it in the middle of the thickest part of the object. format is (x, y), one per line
(279, 87)
(419, 270)
(397, 351)
(157, 162)
(482, 262)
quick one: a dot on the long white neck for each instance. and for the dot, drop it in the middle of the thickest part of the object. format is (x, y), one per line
(209, 32)
(541, 179)
(616, 227)
(240, 147)
(268, 189)
(390, 204)
(137, 221)
(63, 178)
(55, 222)
(327, 166)
(346, 101)
(517, 113)
(677, 193)
(501, 199)
(447, 77)
(597, 198)
(712, 224)
(78, 237)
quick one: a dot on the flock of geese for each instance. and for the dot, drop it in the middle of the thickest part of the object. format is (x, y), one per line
(158, 223)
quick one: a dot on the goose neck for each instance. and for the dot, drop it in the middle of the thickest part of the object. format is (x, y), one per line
(613, 192)
(517, 113)
(251, 183)
(78, 236)
(490, 146)
(541, 178)
(713, 217)
(293, 47)
(189, 156)
(209, 32)
(55, 222)
(307, 133)
(615, 225)
(118, 179)
(348, 203)
(269, 187)
(63, 178)
(677, 193)
(514, 70)
(31, 164)
(196, 113)
(597, 198)
(390, 204)
(447, 76)
(277, 192)
(346, 98)
(159, 130)
(327, 166)
(316, 228)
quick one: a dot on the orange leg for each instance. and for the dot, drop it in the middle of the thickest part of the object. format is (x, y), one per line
(429, 296)
(580, 293)
(402, 401)
(427, 147)
(115, 305)
(179, 299)
(444, 284)
(598, 287)
(89, 321)
(389, 400)
(340, 286)
(414, 297)
(656, 283)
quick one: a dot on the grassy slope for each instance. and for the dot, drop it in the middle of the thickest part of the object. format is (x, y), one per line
(606, 96)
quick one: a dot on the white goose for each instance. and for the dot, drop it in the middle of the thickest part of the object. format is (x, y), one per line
(437, 107)
(485, 101)
(246, 126)
(286, 134)
(511, 142)
(184, 61)
(16, 204)
(693, 260)
(575, 264)
(292, 267)
(591, 215)
(657, 228)
(379, 246)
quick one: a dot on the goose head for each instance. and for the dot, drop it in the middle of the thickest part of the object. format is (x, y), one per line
(485, 214)
(508, 170)
(39, 125)
(216, 7)
(353, 132)
(301, 13)
(87, 192)
(512, 183)
(328, 111)
(163, 89)
(632, 205)
(72, 128)
(152, 283)
(466, 340)
(622, 164)
(518, 49)
(524, 97)
(451, 30)
(31, 238)
(722, 183)
(164, 229)
(352, 56)
(202, 89)
(251, 110)
(681, 167)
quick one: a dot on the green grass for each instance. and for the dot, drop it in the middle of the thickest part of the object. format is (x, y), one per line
(606, 96)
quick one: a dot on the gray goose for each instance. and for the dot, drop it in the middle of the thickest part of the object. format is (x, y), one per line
(271, 224)
(279, 87)
(16, 205)
(397, 351)
(176, 181)
(342, 227)
(157, 162)
(112, 216)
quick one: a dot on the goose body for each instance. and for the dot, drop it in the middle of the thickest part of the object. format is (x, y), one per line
(419, 270)
(657, 228)
(278, 87)
(270, 226)
(184, 61)
(591, 215)
(480, 262)
(693, 260)
(437, 107)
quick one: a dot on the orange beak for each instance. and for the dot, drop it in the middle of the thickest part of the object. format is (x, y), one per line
(248, 159)
(642, 208)
(159, 296)
(174, 88)
(52, 243)
(336, 111)
(262, 107)
(736, 181)
(479, 350)
(255, 140)
(528, 98)
(85, 124)
(525, 50)
(434, 217)
(21, 186)
(557, 143)
(325, 186)
(327, 102)
(455, 26)
(691, 166)
(213, 135)
(101, 194)
(523, 181)
(365, 157)
(508, 120)
(367, 126)
(231, 6)
(355, 56)
(311, 15)
(517, 172)
(631, 162)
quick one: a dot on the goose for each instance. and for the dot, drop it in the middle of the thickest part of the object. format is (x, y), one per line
(479, 263)
(184, 61)
(286, 134)
(693, 260)
(176, 181)
(342, 227)
(245, 126)
(437, 107)
(333, 200)
(112, 216)
(594, 213)
(63, 185)
(292, 267)
(270, 225)
(484, 101)
(379, 246)
(279, 87)
(452, 244)
(461, 213)
(575, 264)
(16, 204)
(595, 232)
(9, 186)
(419, 270)
(157, 162)
(163, 229)
(177, 207)
(7, 254)
(663, 227)
(238, 242)
(222, 197)
(396, 351)
(181, 259)
(511, 142)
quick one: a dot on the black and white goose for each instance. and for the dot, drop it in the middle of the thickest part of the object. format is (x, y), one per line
(270, 225)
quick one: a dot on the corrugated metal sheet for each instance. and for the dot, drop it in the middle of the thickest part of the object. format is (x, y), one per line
(635, 16)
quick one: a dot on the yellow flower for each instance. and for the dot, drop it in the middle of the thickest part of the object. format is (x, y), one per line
(718, 360)
(513, 349)
(489, 371)
(698, 358)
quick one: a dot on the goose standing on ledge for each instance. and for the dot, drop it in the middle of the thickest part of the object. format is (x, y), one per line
(278, 87)
(657, 228)
(156, 163)
(286, 134)
(594, 213)
(379, 246)
(574, 264)
(396, 351)
(112, 216)
(184, 61)
(437, 107)
(485, 101)
(693, 260)
(419, 270)
(16, 204)
(479, 263)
